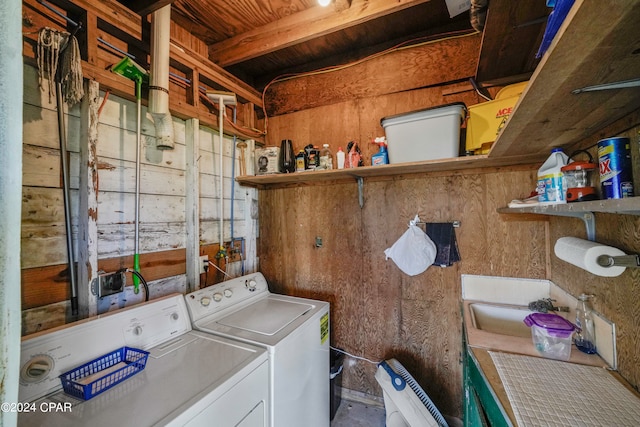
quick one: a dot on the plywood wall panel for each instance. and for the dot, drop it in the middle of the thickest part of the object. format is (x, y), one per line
(378, 311)
(516, 249)
(290, 219)
(389, 314)
(402, 70)
(410, 320)
(472, 206)
(617, 298)
(358, 120)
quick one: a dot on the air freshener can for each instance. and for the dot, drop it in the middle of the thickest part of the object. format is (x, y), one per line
(616, 176)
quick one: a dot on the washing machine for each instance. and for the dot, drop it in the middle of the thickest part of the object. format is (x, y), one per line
(294, 331)
(190, 378)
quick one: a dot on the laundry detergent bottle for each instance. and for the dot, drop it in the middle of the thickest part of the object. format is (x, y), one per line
(550, 178)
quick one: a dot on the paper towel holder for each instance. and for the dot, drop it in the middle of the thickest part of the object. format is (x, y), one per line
(620, 261)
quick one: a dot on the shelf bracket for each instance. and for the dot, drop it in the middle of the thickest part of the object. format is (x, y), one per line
(608, 86)
(589, 221)
(360, 191)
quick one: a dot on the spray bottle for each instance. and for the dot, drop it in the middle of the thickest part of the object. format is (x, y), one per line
(381, 157)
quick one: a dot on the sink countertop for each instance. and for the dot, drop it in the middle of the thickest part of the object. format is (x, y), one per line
(489, 371)
(480, 343)
(518, 292)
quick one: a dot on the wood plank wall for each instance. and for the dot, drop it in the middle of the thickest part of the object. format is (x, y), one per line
(377, 311)
(45, 282)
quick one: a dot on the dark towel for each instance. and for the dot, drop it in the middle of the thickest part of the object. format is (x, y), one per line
(444, 236)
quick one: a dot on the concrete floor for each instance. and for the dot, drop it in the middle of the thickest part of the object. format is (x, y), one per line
(356, 414)
(353, 413)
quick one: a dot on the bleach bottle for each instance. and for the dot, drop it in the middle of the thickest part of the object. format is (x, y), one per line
(550, 178)
(382, 156)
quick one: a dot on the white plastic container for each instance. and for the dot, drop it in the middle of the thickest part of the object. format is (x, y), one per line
(550, 178)
(551, 334)
(428, 134)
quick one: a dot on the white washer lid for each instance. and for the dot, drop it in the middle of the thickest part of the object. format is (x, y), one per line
(267, 316)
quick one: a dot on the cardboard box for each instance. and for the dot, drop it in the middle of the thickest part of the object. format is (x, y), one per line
(267, 160)
(428, 134)
(488, 118)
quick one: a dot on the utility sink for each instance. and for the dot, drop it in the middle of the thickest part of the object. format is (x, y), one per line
(494, 309)
(500, 319)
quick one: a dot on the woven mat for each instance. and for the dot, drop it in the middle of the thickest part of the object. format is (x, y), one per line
(546, 392)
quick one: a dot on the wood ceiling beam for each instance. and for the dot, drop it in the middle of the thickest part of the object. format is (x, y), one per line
(217, 74)
(145, 7)
(340, 5)
(300, 27)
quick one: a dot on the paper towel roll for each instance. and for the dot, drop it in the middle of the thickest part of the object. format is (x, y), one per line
(584, 254)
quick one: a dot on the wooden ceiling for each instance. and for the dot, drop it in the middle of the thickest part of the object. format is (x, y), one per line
(257, 40)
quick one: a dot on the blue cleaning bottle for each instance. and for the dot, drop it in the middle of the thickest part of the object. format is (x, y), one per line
(382, 156)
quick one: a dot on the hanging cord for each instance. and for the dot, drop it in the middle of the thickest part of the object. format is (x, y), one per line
(220, 270)
(144, 282)
(353, 356)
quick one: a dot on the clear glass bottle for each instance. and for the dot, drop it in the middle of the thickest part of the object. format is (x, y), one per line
(584, 337)
(326, 157)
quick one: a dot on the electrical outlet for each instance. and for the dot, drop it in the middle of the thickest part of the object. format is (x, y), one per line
(110, 283)
(204, 263)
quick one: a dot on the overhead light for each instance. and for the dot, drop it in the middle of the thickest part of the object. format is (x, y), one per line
(324, 3)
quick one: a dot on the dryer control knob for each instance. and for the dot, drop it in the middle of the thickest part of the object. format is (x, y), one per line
(137, 330)
(217, 297)
(228, 293)
(174, 316)
(205, 301)
(251, 285)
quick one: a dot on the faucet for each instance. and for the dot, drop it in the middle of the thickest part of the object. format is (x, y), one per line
(545, 305)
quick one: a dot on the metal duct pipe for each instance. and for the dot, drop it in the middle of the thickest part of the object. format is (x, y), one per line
(159, 78)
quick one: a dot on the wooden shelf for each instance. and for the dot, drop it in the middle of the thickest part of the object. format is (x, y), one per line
(628, 206)
(595, 45)
(445, 165)
(582, 210)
